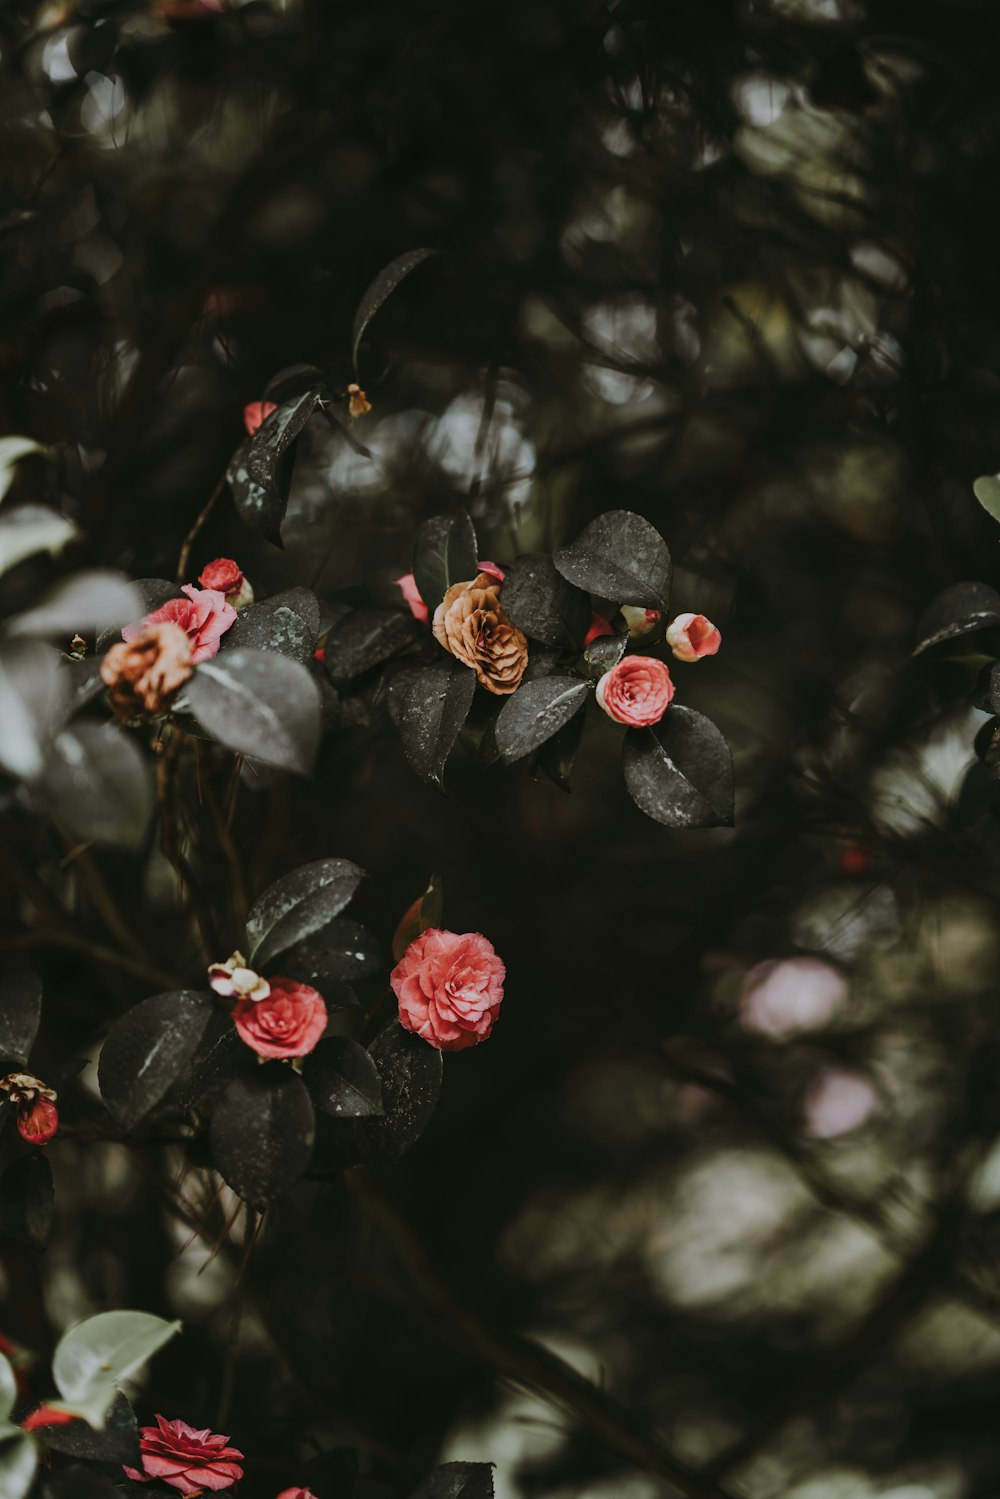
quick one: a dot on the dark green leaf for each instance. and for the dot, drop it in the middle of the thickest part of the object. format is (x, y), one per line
(85, 603)
(621, 557)
(987, 492)
(117, 1443)
(426, 911)
(957, 611)
(543, 604)
(259, 704)
(537, 711)
(80, 1483)
(27, 1201)
(97, 785)
(259, 506)
(299, 905)
(680, 771)
(444, 553)
(287, 623)
(260, 474)
(262, 1132)
(148, 1049)
(20, 1015)
(604, 653)
(18, 1461)
(340, 953)
(364, 638)
(558, 755)
(457, 1481)
(380, 290)
(411, 1073)
(429, 705)
(342, 1079)
(34, 698)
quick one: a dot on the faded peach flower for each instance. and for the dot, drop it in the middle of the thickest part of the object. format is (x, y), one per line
(143, 673)
(470, 622)
(691, 636)
(203, 615)
(358, 403)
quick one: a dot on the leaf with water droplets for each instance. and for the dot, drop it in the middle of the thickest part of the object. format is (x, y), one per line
(536, 712)
(680, 771)
(429, 705)
(540, 601)
(380, 290)
(444, 553)
(619, 556)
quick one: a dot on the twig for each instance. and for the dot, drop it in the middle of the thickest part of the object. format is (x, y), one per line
(527, 1363)
(189, 540)
(107, 955)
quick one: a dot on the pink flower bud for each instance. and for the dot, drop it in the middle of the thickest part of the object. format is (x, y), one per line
(637, 692)
(37, 1115)
(407, 585)
(639, 621)
(256, 414)
(838, 1101)
(493, 570)
(598, 626)
(800, 994)
(226, 576)
(691, 636)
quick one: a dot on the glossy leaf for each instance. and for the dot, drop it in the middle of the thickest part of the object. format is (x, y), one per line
(34, 692)
(537, 711)
(680, 771)
(148, 1049)
(260, 704)
(426, 911)
(543, 604)
(444, 553)
(8, 1387)
(604, 653)
(116, 1442)
(959, 610)
(260, 472)
(287, 623)
(79, 1482)
(619, 556)
(20, 1016)
(262, 1133)
(342, 1079)
(12, 450)
(87, 603)
(94, 1357)
(27, 530)
(410, 1072)
(364, 638)
(340, 953)
(18, 1461)
(987, 492)
(380, 290)
(299, 905)
(97, 785)
(457, 1481)
(429, 705)
(557, 755)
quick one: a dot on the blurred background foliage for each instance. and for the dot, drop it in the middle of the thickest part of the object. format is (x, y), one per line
(730, 264)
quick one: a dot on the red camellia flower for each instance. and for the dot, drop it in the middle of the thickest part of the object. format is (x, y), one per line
(636, 692)
(188, 1460)
(692, 636)
(598, 626)
(288, 1023)
(449, 988)
(224, 575)
(203, 615)
(256, 414)
(37, 1115)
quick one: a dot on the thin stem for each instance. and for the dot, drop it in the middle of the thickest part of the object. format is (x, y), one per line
(106, 955)
(190, 538)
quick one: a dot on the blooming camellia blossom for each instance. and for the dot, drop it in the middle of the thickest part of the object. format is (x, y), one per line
(636, 692)
(233, 979)
(226, 576)
(37, 1115)
(407, 584)
(598, 626)
(691, 636)
(286, 1024)
(203, 615)
(783, 998)
(187, 1460)
(639, 621)
(470, 622)
(449, 987)
(145, 672)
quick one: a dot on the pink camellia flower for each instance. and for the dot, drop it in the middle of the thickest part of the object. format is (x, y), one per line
(407, 584)
(449, 987)
(838, 1101)
(782, 998)
(234, 980)
(203, 615)
(598, 626)
(187, 1460)
(691, 636)
(256, 414)
(288, 1023)
(37, 1115)
(636, 692)
(639, 621)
